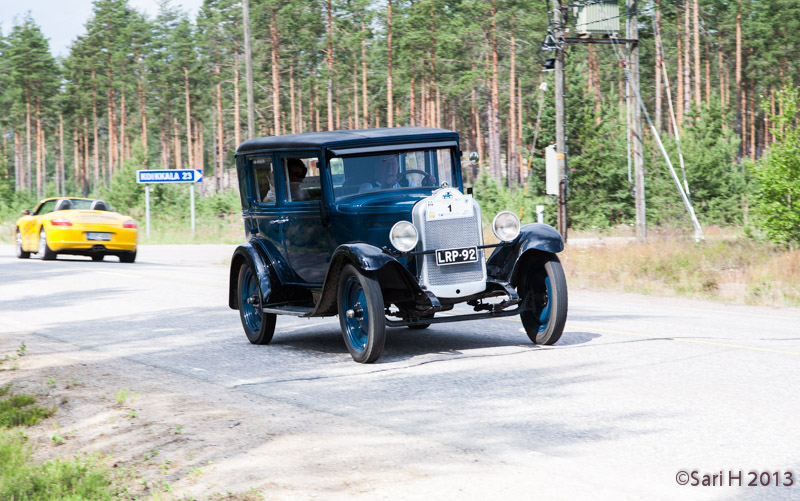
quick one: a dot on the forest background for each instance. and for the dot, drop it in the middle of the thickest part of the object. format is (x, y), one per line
(168, 92)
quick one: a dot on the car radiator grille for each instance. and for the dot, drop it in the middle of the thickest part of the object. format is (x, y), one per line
(450, 234)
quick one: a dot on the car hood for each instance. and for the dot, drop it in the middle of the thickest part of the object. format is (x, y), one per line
(381, 203)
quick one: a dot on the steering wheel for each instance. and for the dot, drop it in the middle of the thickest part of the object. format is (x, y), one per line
(425, 175)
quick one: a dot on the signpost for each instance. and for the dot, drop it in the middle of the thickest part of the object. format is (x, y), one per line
(146, 177)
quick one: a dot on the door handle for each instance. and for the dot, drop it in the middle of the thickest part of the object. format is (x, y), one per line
(280, 220)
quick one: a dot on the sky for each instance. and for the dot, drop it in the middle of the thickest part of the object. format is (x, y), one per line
(62, 21)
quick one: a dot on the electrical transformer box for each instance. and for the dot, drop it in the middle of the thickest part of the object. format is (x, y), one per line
(597, 17)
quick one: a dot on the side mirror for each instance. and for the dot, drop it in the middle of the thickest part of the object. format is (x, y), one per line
(26, 212)
(473, 157)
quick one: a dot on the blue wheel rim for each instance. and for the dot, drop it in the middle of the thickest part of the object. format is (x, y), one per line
(250, 312)
(356, 328)
(544, 316)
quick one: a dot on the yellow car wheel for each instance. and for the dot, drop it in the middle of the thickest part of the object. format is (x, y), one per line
(44, 250)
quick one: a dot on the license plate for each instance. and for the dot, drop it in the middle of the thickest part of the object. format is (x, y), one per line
(98, 236)
(456, 256)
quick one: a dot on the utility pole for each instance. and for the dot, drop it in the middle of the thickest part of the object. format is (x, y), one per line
(248, 64)
(638, 146)
(561, 140)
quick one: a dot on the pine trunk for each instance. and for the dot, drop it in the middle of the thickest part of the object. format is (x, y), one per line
(276, 78)
(679, 96)
(659, 104)
(237, 103)
(687, 74)
(739, 93)
(364, 107)
(143, 117)
(29, 159)
(697, 78)
(220, 142)
(189, 151)
(389, 89)
(292, 114)
(494, 119)
(513, 168)
(330, 64)
(61, 163)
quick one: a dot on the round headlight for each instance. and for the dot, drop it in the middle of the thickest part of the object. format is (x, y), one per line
(403, 236)
(506, 226)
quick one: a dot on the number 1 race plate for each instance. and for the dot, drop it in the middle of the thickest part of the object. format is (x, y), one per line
(456, 256)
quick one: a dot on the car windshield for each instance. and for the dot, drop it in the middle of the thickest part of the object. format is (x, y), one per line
(383, 171)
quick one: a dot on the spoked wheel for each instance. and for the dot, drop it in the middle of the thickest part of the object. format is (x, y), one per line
(259, 326)
(44, 250)
(361, 315)
(543, 290)
(20, 253)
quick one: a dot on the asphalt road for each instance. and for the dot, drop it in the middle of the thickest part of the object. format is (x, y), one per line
(638, 390)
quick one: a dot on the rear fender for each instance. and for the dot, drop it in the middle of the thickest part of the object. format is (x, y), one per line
(533, 240)
(256, 257)
(397, 284)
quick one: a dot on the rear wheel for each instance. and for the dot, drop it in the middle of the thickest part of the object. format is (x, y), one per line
(44, 250)
(361, 315)
(20, 253)
(128, 257)
(259, 326)
(543, 290)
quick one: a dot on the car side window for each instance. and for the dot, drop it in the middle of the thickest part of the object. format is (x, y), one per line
(303, 179)
(264, 179)
(46, 207)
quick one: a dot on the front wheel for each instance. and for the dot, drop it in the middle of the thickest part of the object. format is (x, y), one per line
(361, 315)
(543, 290)
(44, 250)
(21, 254)
(259, 326)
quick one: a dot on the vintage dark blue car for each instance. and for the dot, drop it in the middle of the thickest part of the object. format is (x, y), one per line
(375, 226)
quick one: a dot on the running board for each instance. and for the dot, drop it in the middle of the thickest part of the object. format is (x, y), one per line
(294, 310)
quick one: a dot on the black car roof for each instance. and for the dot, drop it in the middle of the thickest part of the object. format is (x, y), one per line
(340, 138)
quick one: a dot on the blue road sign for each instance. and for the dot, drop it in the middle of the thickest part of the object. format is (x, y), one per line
(169, 176)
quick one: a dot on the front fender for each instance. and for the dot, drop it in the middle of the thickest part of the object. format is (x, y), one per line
(504, 261)
(367, 259)
(254, 256)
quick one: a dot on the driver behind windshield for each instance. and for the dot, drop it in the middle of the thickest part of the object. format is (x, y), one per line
(386, 177)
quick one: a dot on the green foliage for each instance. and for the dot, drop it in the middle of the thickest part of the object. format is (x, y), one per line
(81, 478)
(18, 410)
(777, 176)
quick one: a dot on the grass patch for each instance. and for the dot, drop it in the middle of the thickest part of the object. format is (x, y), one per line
(79, 478)
(20, 478)
(18, 410)
(722, 267)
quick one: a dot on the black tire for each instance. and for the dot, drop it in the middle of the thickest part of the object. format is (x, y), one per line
(258, 326)
(21, 254)
(543, 290)
(364, 330)
(98, 257)
(44, 250)
(128, 257)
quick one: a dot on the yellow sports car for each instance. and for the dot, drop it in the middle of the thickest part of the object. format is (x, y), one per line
(81, 226)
